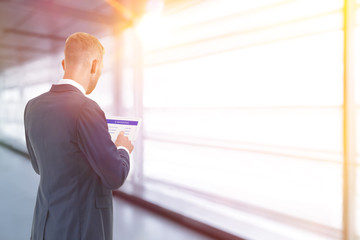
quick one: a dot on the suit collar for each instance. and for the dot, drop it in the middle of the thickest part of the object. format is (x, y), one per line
(64, 88)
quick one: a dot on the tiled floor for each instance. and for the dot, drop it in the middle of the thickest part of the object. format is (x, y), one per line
(18, 186)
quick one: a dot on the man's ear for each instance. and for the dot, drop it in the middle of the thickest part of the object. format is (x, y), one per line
(94, 66)
(63, 64)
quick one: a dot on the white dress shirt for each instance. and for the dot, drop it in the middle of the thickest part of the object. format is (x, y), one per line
(82, 89)
(72, 83)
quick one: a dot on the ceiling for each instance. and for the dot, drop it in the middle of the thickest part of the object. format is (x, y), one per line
(32, 28)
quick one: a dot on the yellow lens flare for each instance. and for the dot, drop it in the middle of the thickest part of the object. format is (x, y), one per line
(124, 11)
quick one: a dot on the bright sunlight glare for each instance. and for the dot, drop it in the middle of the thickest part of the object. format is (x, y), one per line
(152, 29)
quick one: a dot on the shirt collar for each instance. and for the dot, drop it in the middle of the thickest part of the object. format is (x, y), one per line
(71, 82)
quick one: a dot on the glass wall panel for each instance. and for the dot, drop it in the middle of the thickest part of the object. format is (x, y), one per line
(248, 94)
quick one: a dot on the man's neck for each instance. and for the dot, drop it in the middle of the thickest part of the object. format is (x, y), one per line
(79, 80)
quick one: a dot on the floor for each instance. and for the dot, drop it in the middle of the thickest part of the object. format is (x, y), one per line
(18, 186)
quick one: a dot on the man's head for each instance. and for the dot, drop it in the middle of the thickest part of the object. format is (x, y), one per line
(83, 59)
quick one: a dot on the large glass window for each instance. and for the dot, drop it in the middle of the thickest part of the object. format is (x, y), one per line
(243, 102)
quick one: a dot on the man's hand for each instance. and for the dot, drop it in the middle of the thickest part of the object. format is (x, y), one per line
(124, 141)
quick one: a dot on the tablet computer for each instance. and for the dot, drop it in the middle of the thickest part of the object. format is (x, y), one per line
(130, 126)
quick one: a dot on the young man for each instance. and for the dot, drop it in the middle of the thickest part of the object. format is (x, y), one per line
(70, 148)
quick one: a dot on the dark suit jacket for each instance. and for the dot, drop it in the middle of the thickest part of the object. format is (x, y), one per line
(70, 148)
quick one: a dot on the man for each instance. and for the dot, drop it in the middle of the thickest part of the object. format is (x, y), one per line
(70, 148)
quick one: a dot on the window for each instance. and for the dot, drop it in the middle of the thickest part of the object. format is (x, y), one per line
(243, 102)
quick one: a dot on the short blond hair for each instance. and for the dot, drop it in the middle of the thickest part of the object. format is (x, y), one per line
(81, 46)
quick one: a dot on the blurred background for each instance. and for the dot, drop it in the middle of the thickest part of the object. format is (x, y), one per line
(248, 111)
